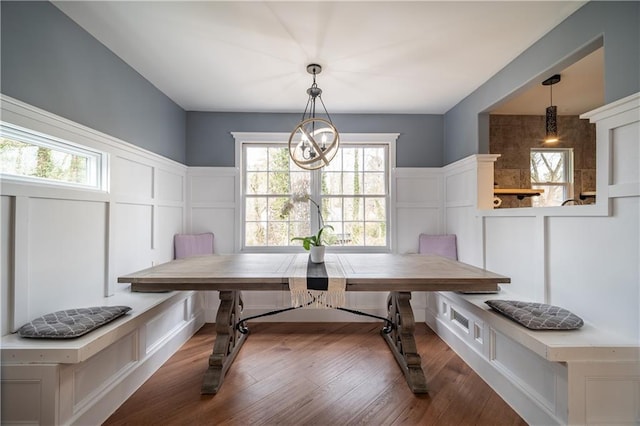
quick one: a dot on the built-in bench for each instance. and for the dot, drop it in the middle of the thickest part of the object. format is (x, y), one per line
(584, 376)
(83, 380)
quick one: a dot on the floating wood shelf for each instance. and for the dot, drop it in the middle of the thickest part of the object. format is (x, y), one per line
(518, 192)
(587, 194)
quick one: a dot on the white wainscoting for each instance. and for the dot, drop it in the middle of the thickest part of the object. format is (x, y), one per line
(64, 247)
(583, 258)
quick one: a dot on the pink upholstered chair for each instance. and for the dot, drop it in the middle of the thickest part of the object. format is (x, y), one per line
(443, 245)
(187, 245)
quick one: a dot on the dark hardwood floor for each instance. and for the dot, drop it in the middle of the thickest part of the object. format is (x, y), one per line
(316, 374)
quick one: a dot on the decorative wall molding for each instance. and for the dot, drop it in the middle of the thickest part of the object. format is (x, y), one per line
(557, 256)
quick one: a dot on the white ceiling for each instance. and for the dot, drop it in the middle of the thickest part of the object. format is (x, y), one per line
(418, 57)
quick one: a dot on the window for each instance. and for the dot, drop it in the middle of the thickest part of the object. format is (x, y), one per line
(552, 170)
(354, 195)
(33, 156)
(351, 193)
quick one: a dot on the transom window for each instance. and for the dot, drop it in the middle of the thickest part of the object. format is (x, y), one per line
(33, 156)
(552, 170)
(282, 201)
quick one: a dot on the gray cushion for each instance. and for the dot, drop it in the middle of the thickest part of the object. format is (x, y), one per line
(71, 323)
(537, 316)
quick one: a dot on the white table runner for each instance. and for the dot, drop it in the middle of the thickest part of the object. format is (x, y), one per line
(317, 285)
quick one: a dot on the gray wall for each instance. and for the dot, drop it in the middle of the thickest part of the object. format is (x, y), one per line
(50, 62)
(617, 23)
(209, 141)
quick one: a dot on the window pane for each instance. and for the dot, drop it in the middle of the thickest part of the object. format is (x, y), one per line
(375, 208)
(277, 234)
(298, 229)
(547, 166)
(279, 183)
(332, 183)
(36, 156)
(276, 209)
(376, 233)
(256, 209)
(279, 159)
(351, 183)
(256, 158)
(551, 170)
(374, 160)
(355, 230)
(354, 208)
(256, 183)
(374, 183)
(255, 234)
(352, 159)
(332, 209)
(299, 182)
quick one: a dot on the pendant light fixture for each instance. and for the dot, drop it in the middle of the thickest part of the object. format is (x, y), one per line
(315, 141)
(551, 122)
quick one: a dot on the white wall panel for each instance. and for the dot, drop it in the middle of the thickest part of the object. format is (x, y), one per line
(162, 325)
(131, 178)
(169, 186)
(509, 251)
(411, 222)
(625, 151)
(222, 191)
(169, 222)
(420, 188)
(132, 237)
(532, 372)
(417, 208)
(595, 262)
(99, 370)
(21, 386)
(458, 187)
(67, 243)
(220, 221)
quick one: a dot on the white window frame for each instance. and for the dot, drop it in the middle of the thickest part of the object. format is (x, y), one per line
(387, 139)
(567, 184)
(97, 160)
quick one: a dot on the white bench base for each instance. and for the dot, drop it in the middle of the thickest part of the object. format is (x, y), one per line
(83, 381)
(581, 376)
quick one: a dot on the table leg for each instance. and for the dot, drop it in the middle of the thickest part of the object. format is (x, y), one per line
(402, 342)
(228, 341)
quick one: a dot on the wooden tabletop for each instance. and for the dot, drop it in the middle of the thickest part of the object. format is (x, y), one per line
(363, 272)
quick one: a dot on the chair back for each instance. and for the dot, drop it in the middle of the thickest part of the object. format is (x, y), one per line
(187, 245)
(442, 245)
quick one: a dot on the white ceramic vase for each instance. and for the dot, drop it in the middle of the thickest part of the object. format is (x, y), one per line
(317, 254)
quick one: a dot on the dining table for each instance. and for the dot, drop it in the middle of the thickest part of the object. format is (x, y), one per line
(396, 274)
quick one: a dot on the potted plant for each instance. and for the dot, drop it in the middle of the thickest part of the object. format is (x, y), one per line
(315, 244)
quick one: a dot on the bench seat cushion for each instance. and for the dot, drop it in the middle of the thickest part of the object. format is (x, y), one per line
(71, 322)
(537, 316)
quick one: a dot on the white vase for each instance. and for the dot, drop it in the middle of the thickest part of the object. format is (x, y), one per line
(317, 254)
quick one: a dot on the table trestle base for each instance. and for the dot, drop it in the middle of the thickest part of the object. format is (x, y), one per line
(402, 342)
(398, 332)
(228, 341)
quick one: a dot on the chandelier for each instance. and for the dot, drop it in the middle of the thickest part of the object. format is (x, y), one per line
(315, 141)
